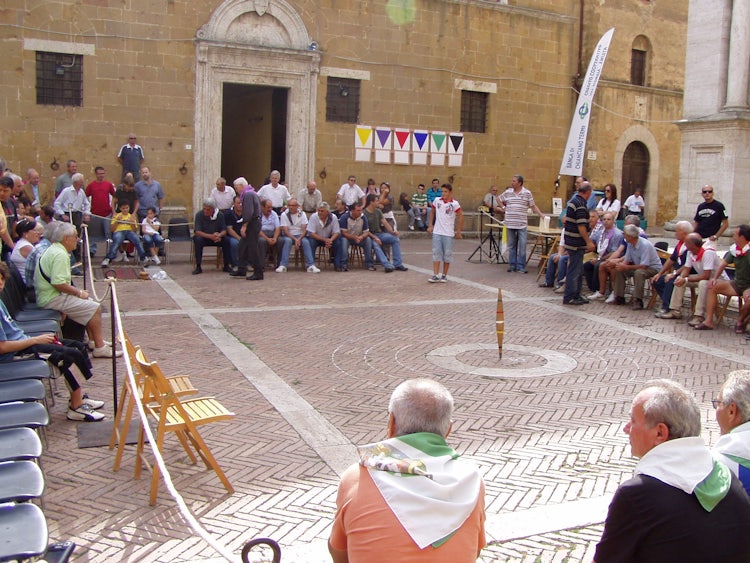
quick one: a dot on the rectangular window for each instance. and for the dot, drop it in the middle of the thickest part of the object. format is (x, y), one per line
(638, 67)
(59, 79)
(342, 100)
(473, 111)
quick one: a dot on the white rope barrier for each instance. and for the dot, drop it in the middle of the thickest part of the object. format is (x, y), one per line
(184, 510)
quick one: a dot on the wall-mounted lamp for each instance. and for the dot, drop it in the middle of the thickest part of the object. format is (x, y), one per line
(343, 91)
(313, 46)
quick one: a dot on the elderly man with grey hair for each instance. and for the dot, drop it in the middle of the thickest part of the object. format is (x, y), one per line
(682, 505)
(409, 498)
(323, 229)
(733, 415)
(210, 230)
(54, 290)
(275, 192)
(663, 280)
(641, 262)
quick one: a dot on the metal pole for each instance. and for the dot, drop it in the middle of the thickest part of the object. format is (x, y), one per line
(113, 325)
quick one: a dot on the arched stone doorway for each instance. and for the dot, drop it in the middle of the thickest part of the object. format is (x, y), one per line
(633, 141)
(255, 99)
(635, 166)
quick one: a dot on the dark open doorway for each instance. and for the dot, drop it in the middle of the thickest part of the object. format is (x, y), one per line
(635, 164)
(253, 138)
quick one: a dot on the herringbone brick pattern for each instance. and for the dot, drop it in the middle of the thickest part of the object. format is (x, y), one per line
(342, 342)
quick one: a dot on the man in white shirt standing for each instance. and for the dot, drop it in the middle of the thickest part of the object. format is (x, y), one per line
(516, 201)
(351, 192)
(442, 224)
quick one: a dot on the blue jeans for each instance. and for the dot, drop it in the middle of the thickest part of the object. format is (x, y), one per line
(366, 245)
(664, 289)
(149, 241)
(286, 250)
(118, 237)
(574, 277)
(517, 249)
(562, 268)
(394, 242)
(234, 250)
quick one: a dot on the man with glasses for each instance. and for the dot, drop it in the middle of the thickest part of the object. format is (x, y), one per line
(131, 157)
(711, 218)
(681, 505)
(351, 192)
(733, 415)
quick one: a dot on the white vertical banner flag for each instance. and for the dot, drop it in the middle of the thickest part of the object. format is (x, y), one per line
(572, 161)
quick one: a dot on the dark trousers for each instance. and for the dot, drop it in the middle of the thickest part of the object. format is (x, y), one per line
(62, 357)
(574, 277)
(249, 253)
(199, 243)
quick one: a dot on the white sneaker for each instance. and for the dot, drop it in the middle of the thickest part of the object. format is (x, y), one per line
(595, 296)
(84, 413)
(121, 257)
(146, 262)
(105, 262)
(155, 260)
(91, 403)
(281, 269)
(92, 345)
(105, 352)
(313, 269)
(612, 298)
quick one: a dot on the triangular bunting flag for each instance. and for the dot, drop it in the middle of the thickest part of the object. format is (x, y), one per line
(383, 135)
(456, 141)
(402, 137)
(438, 139)
(364, 135)
(421, 139)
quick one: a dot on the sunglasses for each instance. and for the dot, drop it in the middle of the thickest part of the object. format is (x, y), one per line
(707, 191)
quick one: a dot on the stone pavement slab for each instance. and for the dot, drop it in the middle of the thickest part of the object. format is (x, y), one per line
(308, 363)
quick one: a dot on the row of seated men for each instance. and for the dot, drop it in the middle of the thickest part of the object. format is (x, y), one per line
(292, 229)
(692, 264)
(410, 497)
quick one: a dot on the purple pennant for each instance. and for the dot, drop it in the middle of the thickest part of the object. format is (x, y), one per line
(421, 138)
(383, 135)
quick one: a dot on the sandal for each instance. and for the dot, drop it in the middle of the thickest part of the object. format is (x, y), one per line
(703, 326)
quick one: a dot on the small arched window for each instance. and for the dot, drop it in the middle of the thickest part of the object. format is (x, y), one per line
(639, 61)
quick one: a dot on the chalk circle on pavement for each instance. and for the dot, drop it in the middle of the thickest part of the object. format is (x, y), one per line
(536, 362)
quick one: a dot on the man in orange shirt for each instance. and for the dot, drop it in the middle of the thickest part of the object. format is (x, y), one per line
(410, 499)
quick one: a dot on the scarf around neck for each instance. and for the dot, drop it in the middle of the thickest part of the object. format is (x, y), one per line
(427, 487)
(687, 464)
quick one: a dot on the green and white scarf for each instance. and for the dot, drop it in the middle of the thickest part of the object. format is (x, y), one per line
(427, 487)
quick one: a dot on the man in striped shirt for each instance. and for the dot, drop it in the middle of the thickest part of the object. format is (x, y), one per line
(577, 243)
(516, 201)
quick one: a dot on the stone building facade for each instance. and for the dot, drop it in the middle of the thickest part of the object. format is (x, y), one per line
(716, 120)
(240, 87)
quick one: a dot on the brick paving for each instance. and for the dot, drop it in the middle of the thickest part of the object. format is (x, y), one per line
(307, 362)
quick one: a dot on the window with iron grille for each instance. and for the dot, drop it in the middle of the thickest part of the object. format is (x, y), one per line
(59, 79)
(638, 67)
(473, 111)
(342, 100)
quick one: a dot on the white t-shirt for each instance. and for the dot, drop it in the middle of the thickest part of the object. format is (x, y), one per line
(445, 216)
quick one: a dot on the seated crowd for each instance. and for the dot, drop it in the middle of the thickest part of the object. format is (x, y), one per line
(629, 254)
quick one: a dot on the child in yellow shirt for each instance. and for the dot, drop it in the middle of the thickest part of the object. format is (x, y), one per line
(124, 227)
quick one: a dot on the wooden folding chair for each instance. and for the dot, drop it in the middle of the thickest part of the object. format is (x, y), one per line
(180, 384)
(180, 417)
(544, 258)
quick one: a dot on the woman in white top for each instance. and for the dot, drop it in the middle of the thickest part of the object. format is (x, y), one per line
(26, 229)
(609, 202)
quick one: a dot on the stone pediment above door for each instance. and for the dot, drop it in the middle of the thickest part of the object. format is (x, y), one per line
(258, 23)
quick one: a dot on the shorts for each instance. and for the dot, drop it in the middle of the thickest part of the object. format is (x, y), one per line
(77, 309)
(442, 248)
(737, 289)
